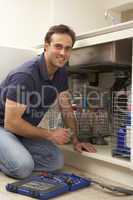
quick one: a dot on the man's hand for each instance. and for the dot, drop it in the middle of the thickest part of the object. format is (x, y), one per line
(59, 136)
(81, 146)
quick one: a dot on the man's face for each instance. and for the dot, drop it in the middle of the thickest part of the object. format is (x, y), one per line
(58, 51)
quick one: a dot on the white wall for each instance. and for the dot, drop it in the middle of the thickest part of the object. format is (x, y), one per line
(82, 15)
(23, 22)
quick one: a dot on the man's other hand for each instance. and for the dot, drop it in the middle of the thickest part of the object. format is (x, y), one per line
(81, 146)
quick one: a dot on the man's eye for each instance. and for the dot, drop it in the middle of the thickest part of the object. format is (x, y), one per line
(68, 48)
(57, 46)
(60, 47)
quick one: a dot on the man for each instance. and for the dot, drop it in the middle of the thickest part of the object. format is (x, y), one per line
(26, 94)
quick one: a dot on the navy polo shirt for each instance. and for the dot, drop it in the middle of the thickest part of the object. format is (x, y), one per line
(30, 85)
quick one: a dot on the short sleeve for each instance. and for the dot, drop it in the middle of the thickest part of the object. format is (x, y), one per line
(19, 87)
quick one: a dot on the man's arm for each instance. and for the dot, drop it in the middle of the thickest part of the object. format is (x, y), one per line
(14, 123)
(68, 114)
(71, 122)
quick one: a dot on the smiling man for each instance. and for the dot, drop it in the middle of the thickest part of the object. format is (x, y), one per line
(26, 95)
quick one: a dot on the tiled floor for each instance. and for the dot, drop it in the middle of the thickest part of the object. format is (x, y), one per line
(93, 192)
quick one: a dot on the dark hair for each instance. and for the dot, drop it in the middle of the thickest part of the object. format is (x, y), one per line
(61, 28)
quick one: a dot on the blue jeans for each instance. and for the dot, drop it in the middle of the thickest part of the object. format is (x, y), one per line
(20, 156)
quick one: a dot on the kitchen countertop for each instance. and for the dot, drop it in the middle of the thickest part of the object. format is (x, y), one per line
(107, 29)
(106, 34)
